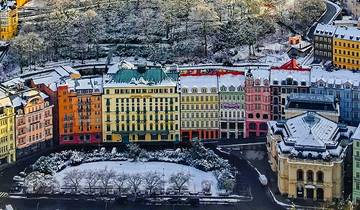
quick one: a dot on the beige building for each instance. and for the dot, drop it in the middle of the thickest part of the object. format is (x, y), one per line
(306, 154)
(324, 105)
(353, 6)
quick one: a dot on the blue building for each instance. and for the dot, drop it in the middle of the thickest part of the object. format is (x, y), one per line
(342, 84)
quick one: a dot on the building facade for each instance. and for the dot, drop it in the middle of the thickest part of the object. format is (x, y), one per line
(80, 111)
(356, 166)
(257, 103)
(324, 105)
(284, 80)
(199, 106)
(323, 38)
(140, 104)
(232, 105)
(7, 130)
(33, 121)
(346, 50)
(306, 153)
(9, 21)
(353, 6)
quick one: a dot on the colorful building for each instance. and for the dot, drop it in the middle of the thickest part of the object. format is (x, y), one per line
(199, 105)
(356, 166)
(20, 3)
(323, 42)
(80, 111)
(346, 50)
(340, 84)
(7, 130)
(257, 102)
(33, 121)
(9, 20)
(140, 104)
(232, 105)
(307, 153)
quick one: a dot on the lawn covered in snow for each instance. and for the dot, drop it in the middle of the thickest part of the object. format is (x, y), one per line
(164, 169)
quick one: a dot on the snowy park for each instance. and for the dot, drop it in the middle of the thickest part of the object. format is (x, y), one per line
(157, 175)
(133, 171)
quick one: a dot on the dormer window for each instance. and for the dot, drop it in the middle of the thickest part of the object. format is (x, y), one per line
(184, 90)
(213, 90)
(223, 88)
(232, 88)
(194, 90)
(275, 82)
(203, 90)
(257, 82)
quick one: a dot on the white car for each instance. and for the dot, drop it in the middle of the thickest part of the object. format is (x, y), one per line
(263, 180)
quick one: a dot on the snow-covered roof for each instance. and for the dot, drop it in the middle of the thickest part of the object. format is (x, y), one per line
(310, 133)
(20, 98)
(228, 80)
(339, 77)
(199, 82)
(356, 135)
(279, 76)
(347, 33)
(325, 30)
(85, 83)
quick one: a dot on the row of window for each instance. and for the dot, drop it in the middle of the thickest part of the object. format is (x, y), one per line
(140, 91)
(347, 60)
(348, 45)
(199, 124)
(202, 90)
(199, 115)
(142, 127)
(310, 176)
(199, 98)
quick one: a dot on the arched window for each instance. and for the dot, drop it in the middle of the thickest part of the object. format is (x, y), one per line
(194, 90)
(320, 176)
(184, 90)
(257, 115)
(239, 88)
(310, 176)
(300, 175)
(252, 126)
(250, 116)
(257, 82)
(213, 90)
(223, 88)
(231, 88)
(203, 90)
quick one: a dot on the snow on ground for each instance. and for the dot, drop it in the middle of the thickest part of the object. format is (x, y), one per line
(162, 168)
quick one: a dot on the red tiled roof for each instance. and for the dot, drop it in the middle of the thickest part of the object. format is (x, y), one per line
(291, 65)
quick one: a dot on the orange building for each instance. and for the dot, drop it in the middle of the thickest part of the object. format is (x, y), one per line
(79, 102)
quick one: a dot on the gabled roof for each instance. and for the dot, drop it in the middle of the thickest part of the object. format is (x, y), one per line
(291, 65)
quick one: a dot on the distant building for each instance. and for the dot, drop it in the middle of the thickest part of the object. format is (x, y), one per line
(80, 111)
(199, 106)
(9, 20)
(307, 154)
(33, 121)
(356, 166)
(7, 130)
(284, 80)
(140, 104)
(324, 105)
(257, 102)
(346, 48)
(232, 105)
(323, 42)
(353, 6)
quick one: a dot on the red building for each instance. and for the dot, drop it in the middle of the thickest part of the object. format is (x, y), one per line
(257, 103)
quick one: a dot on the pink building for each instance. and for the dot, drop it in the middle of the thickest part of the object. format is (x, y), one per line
(257, 103)
(33, 122)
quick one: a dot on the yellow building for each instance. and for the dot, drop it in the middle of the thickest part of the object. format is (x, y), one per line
(306, 153)
(20, 3)
(7, 141)
(140, 104)
(346, 48)
(9, 22)
(199, 107)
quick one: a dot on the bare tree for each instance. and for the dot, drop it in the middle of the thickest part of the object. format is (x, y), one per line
(73, 179)
(179, 180)
(152, 181)
(121, 182)
(134, 182)
(40, 183)
(106, 177)
(91, 178)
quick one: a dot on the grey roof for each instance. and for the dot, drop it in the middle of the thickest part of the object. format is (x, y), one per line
(356, 135)
(325, 30)
(311, 136)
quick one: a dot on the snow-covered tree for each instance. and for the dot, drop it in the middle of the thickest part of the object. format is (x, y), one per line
(91, 178)
(121, 181)
(40, 183)
(134, 182)
(179, 180)
(26, 49)
(106, 177)
(73, 178)
(152, 181)
(134, 151)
